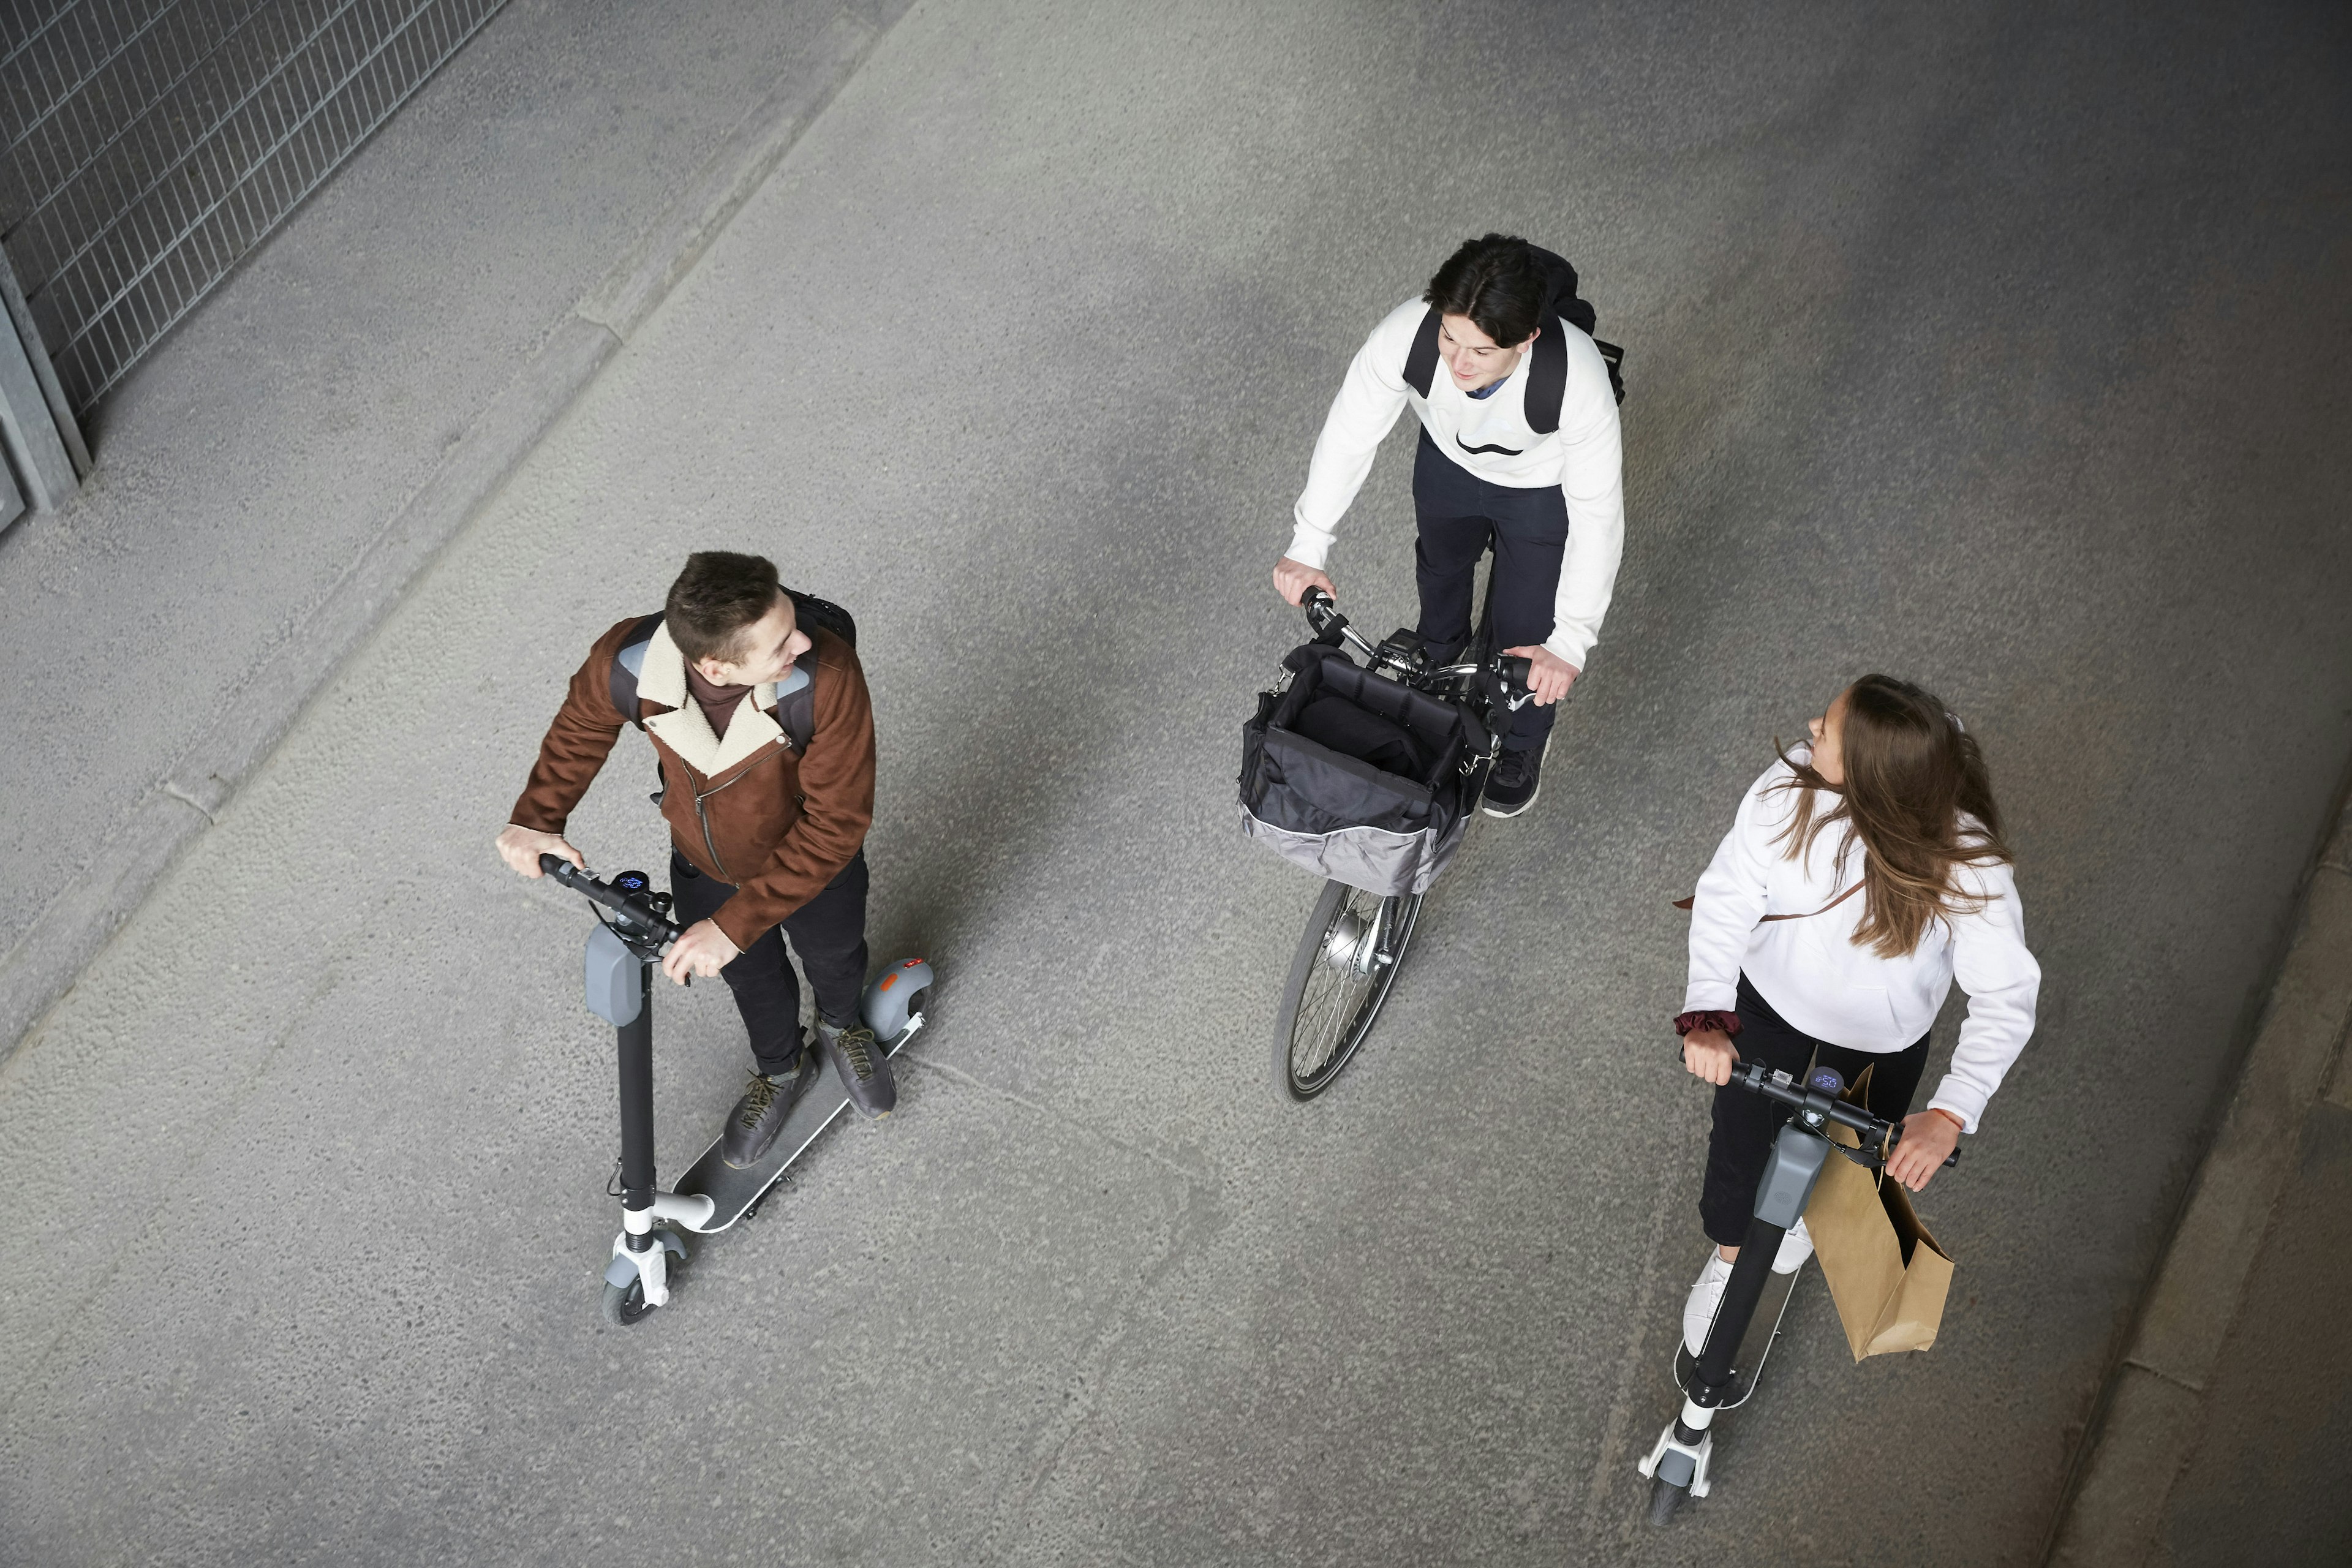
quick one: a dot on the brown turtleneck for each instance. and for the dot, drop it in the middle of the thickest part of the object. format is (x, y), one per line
(718, 702)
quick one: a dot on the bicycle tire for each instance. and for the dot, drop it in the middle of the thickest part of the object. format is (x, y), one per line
(1328, 1006)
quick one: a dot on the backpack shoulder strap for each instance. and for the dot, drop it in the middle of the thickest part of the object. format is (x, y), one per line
(1547, 380)
(1547, 376)
(796, 701)
(628, 664)
(1420, 362)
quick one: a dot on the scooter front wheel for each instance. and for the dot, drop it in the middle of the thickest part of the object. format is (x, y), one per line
(624, 1305)
(1665, 1497)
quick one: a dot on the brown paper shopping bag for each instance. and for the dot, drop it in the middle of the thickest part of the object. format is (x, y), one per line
(1886, 1273)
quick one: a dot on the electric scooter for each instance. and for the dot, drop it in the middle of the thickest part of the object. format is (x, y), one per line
(1725, 1370)
(633, 928)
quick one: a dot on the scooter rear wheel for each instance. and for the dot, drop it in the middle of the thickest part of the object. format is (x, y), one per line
(1665, 1497)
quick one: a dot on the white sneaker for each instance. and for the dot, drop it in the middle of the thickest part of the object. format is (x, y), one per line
(1706, 1296)
(1795, 1247)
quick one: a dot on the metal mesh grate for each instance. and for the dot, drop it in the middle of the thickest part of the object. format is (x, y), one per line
(150, 145)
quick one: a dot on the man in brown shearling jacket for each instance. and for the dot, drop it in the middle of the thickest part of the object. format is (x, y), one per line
(767, 839)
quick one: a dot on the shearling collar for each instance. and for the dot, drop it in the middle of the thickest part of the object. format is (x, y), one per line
(684, 730)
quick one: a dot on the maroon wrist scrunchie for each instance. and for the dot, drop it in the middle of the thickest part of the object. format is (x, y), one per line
(1726, 1022)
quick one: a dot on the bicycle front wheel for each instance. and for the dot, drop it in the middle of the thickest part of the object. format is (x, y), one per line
(1346, 965)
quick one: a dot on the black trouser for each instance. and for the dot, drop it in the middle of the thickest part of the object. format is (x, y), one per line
(1746, 1123)
(1461, 514)
(829, 934)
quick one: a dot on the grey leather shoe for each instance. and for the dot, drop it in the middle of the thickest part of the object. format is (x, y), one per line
(759, 1116)
(865, 1072)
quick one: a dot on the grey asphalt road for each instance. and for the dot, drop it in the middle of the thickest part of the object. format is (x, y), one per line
(1995, 347)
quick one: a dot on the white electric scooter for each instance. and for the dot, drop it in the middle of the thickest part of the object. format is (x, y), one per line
(1724, 1372)
(633, 928)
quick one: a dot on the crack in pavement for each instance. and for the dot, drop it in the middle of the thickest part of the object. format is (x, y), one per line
(1195, 1213)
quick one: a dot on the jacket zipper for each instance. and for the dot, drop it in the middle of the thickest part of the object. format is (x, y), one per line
(704, 817)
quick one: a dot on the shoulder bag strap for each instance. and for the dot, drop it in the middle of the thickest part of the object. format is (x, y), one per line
(1686, 903)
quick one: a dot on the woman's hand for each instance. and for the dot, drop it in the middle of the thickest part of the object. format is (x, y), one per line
(1929, 1139)
(1709, 1054)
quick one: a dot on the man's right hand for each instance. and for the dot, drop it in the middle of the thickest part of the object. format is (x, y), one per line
(1292, 578)
(1709, 1054)
(520, 847)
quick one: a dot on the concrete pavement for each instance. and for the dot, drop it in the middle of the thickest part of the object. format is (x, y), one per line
(2218, 1435)
(1999, 350)
(274, 479)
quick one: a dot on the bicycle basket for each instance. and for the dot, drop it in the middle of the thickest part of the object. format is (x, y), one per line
(1355, 777)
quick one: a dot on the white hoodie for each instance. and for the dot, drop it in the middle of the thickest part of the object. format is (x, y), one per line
(1581, 458)
(1815, 977)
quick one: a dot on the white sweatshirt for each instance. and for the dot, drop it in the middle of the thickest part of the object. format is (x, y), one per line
(1581, 458)
(1815, 977)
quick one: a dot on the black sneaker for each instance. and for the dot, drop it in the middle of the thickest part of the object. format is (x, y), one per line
(759, 1116)
(865, 1072)
(1517, 777)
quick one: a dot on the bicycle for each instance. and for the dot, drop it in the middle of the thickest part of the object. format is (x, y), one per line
(1354, 945)
(1724, 1372)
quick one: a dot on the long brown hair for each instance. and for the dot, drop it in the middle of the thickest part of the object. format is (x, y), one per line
(1910, 772)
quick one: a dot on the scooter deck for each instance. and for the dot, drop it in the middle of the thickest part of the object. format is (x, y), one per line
(733, 1191)
(1755, 1346)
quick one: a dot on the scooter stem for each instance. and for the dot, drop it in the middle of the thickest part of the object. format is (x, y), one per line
(1745, 1289)
(635, 1055)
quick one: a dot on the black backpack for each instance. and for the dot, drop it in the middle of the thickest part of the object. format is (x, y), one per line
(1547, 376)
(795, 711)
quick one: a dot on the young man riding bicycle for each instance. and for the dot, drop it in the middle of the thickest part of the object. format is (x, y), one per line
(767, 826)
(1519, 451)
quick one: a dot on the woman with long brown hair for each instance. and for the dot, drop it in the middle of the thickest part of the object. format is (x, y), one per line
(1863, 875)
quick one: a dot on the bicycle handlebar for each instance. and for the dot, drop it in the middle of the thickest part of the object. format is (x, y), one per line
(1323, 615)
(1321, 612)
(1822, 1105)
(647, 921)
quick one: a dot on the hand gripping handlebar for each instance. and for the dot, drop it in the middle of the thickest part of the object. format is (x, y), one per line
(640, 918)
(1816, 1100)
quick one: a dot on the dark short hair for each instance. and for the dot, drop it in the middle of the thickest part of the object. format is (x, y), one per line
(718, 598)
(1496, 282)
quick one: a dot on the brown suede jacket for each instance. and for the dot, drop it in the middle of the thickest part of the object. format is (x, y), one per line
(749, 809)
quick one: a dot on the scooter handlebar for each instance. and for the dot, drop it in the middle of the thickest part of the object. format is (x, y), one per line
(634, 911)
(1755, 1077)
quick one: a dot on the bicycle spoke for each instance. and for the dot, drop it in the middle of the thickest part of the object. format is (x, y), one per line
(1338, 1002)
